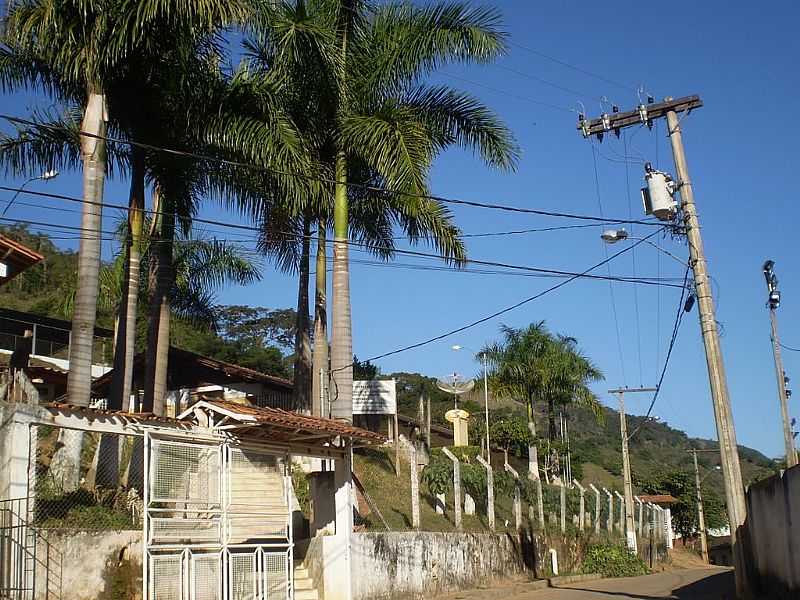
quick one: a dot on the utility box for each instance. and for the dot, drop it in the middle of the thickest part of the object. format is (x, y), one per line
(657, 196)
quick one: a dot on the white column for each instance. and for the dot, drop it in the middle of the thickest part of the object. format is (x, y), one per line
(338, 547)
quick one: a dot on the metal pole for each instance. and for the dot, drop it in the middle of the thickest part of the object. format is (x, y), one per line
(486, 406)
(726, 433)
(701, 520)
(788, 440)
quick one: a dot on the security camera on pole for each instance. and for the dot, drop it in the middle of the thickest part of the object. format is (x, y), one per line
(773, 302)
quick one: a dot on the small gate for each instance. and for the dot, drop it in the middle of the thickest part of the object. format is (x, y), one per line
(217, 522)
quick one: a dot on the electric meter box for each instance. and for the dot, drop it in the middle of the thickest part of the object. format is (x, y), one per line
(657, 196)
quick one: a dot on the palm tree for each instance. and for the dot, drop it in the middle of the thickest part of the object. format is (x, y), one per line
(102, 56)
(533, 365)
(371, 121)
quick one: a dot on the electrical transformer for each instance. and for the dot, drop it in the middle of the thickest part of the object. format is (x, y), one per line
(657, 196)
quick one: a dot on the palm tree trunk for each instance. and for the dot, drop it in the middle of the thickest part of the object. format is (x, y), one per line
(320, 322)
(125, 340)
(342, 335)
(551, 420)
(533, 464)
(302, 340)
(93, 150)
(161, 275)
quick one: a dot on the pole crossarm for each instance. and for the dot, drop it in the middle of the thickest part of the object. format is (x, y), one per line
(642, 115)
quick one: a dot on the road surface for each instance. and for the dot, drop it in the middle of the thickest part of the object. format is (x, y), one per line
(689, 584)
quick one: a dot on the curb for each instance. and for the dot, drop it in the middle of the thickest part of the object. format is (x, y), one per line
(567, 579)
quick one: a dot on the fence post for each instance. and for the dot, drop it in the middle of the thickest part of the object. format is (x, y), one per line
(414, 488)
(582, 504)
(456, 486)
(517, 497)
(563, 507)
(640, 503)
(489, 491)
(596, 508)
(610, 522)
(621, 512)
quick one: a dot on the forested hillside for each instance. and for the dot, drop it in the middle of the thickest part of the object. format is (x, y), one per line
(256, 337)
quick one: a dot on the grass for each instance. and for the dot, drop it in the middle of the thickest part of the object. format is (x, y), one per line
(392, 494)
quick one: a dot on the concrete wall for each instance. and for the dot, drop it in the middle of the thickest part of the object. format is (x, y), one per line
(395, 565)
(93, 566)
(772, 534)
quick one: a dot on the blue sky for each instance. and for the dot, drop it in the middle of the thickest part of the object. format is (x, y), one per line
(741, 59)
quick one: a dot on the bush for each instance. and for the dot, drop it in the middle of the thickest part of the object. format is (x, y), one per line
(613, 560)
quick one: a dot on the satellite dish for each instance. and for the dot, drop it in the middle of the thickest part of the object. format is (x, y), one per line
(456, 414)
(454, 386)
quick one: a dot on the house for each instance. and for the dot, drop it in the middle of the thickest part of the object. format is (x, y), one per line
(664, 501)
(15, 258)
(192, 377)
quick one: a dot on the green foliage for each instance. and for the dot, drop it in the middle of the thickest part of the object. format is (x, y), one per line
(511, 434)
(681, 485)
(613, 560)
(364, 371)
(302, 489)
(438, 477)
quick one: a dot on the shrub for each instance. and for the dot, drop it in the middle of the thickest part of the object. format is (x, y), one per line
(613, 560)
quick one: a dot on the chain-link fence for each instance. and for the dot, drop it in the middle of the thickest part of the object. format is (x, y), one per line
(82, 480)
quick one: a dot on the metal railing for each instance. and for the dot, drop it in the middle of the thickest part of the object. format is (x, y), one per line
(30, 566)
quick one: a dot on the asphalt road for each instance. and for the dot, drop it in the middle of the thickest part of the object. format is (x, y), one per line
(690, 584)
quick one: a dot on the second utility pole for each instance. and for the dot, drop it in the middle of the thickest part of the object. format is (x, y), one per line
(701, 519)
(630, 531)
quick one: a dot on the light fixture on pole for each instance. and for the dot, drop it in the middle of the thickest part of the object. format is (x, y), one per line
(612, 236)
(46, 176)
(456, 348)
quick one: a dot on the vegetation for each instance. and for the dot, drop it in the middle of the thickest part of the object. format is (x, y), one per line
(613, 560)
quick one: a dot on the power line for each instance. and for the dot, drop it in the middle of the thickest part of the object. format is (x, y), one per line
(563, 63)
(608, 268)
(508, 308)
(676, 326)
(789, 348)
(318, 178)
(507, 94)
(633, 259)
(546, 82)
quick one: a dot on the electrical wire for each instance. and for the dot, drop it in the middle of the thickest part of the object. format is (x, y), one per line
(363, 186)
(633, 261)
(507, 94)
(503, 310)
(675, 328)
(546, 82)
(563, 63)
(789, 348)
(608, 268)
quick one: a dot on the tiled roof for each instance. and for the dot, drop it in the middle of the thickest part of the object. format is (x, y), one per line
(658, 499)
(292, 421)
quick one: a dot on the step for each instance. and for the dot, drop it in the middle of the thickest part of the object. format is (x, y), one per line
(303, 583)
(306, 595)
(301, 573)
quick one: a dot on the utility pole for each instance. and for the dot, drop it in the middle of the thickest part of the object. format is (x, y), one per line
(773, 302)
(630, 528)
(701, 519)
(731, 469)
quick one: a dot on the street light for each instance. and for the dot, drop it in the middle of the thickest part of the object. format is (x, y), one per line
(456, 348)
(46, 176)
(612, 236)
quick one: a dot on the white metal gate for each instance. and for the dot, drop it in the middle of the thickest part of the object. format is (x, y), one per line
(217, 522)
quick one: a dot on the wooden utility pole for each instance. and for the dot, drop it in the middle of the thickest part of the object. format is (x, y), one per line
(731, 469)
(701, 519)
(630, 527)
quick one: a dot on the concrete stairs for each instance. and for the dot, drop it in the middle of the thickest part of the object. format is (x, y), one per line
(304, 588)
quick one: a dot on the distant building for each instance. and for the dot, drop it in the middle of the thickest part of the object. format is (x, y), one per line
(15, 258)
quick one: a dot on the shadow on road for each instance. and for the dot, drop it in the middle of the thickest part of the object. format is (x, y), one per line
(717, 586)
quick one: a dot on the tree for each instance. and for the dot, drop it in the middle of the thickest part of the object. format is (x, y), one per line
(532, 365)
(364, 370)
(373, 123)
(681, 485)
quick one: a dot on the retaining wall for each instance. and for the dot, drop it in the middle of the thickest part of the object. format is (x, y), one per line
(772, 534)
